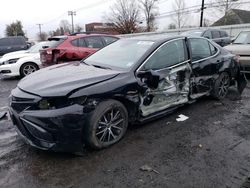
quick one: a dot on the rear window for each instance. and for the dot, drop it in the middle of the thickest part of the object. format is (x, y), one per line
(54, 42)
(41, 45)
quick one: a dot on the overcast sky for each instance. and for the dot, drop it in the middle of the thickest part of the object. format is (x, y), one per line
(51, 12)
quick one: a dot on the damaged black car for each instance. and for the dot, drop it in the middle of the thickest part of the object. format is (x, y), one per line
(68, 106)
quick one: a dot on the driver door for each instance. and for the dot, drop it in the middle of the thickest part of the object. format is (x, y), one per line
(170, 62)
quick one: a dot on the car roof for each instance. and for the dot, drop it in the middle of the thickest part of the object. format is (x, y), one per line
(155, 38)
(74, 36)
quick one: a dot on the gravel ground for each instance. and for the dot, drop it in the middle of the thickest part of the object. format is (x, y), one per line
(210, 149)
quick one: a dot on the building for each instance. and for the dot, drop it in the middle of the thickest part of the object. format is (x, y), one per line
(234, 16)
(101, 27)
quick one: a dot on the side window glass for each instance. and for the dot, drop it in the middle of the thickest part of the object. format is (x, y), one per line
(17, 41)
(4, 42)
(82, 43)
(213, 49)
(223, 34)
(200, 49)
(93, 42)
(75, 42)
(216, 34)
(168, 55)
(109, 40)
(208, 35)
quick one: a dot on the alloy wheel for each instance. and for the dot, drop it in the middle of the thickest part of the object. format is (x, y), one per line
(110, 126)
(224, 85)
(28, 69)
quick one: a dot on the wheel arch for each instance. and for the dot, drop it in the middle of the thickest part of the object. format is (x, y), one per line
(21, 66)
(130, 106)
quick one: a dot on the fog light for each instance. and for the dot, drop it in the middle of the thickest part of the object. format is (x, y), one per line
(5, 71)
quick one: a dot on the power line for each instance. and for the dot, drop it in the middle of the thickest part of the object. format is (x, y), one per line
(192, 9)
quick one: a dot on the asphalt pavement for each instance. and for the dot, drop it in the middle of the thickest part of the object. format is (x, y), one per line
(210, 149)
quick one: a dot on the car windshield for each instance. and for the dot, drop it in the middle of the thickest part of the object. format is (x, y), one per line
(243, 38)
(195, 33)
(122, 54)
(39, 46)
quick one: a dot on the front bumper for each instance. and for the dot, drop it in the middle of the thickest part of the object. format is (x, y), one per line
(56, 130)
(8, 71)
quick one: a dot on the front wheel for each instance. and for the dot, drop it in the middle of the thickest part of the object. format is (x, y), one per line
(221, 85)
(27, 69)
(107, 124)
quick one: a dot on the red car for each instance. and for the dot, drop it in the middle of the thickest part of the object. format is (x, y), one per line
(73, 47)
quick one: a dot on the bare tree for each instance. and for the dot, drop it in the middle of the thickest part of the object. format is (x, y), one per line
(64, 26)
(224, 6)
(206, 22)
(179, 18)
(43, 36)
(171, 26)
(125, 16)
(55, 32)
(78, 28)
(150, 10)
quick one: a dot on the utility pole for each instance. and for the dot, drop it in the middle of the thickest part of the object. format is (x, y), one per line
(72, 14)
(40, 28)
(202, 11)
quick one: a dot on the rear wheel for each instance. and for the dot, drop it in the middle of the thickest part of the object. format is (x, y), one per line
(221, 86)
(107, 124)
(27, 69)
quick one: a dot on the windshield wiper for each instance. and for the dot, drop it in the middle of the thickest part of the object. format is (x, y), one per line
(101, 67)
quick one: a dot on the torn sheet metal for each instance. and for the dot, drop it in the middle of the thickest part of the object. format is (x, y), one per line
(172, 90)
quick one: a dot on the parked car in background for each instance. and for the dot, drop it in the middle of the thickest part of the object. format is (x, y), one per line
(241, 47)
(22, 63)
(11, 44)
(74, 47)
(219, 36)
(67, 106)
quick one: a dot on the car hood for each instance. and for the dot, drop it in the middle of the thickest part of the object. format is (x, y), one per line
(239, 49)
(60, 80)
(15, 55)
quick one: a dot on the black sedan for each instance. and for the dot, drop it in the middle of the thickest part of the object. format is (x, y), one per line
(68, 106)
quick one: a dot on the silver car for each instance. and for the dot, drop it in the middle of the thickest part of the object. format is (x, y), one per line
(241, 47)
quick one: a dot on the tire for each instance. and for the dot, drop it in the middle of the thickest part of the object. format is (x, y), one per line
(221, 85)
(28, 68)
(107, 125)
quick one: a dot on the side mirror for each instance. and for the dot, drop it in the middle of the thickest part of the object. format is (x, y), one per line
(207, 37)
(151, 78)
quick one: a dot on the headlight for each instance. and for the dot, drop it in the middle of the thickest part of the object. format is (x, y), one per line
(44, 105)
(10, 61)
(60, 102)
